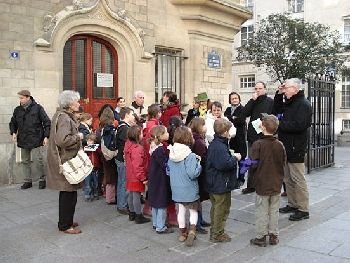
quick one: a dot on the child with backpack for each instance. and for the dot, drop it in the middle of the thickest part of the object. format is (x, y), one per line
(184, 169)
(159, 194)
(136, 163)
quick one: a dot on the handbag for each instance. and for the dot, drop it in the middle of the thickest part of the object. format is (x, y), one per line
(76, 169)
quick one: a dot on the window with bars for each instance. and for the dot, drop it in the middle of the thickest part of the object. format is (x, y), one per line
(347, 31)
(246, 34)
(247, 81)
(296, 6)
(168, 71)
(345, 92)
(249, 4)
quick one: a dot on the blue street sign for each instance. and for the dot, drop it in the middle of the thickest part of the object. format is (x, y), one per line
(14, 54)
(214, 60)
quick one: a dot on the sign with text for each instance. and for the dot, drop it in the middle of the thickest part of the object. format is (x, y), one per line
(14, 54)
(214, 60)
(104, 80)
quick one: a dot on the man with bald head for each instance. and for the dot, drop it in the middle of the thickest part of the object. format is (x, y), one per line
(294, 112)
(138, 106)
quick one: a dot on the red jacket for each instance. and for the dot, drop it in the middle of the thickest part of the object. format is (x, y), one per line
(171, 110)
(147, 133)
(136, 163)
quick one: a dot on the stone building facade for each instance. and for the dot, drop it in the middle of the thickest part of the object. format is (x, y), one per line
(110, 48)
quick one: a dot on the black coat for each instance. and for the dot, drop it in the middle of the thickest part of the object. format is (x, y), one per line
(293, 129)
(32, 125)
(238, 143)
(85, 131)
(221, 167)
(159, 191)
(253, 109)
(199, 147)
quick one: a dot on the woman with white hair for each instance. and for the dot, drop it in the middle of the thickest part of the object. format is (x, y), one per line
(64, 144)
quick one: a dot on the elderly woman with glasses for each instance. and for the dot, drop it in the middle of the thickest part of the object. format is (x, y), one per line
(64, 144)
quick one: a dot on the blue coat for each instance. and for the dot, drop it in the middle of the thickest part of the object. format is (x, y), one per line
(183, 179)
(221, 167)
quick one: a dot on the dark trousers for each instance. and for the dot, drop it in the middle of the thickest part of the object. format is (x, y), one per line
(67, 202)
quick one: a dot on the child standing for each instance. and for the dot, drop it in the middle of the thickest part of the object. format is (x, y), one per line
(85, 126)
(268, 176)
(91, 181)
(159, 193)
(221, 177)
(197, 125)
(136, 171)
(184, 169)
(194, 112)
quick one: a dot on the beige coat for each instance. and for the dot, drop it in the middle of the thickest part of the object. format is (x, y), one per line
(65, 143)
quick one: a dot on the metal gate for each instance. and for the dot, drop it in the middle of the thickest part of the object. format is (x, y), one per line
(321, 94)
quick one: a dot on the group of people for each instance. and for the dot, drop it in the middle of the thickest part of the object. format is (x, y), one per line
(155, 157)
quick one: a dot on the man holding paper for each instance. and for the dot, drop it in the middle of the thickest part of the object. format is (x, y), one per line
(258, 104)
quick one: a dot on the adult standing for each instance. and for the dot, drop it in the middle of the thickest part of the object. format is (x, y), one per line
(64, 144)
(258, 104)
(170, 108)
(120, 105)
(295, 114)
(30, 129)
(138, 106)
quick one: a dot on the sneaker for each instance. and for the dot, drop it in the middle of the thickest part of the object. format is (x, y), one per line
(260, 242)
(287, 209)
(248, 191)
(140, 219)
(132, 216)
(123, 211)
(42, 184)
(220, 239)
(26, 185)
(299, 215)
(273, 239)
(166, 231)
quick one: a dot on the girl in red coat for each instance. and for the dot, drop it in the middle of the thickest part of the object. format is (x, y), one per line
(136, 163)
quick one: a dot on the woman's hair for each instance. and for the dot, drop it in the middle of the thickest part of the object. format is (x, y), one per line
(183, 135)
(233, 93)
(172, 96)
(196, 125)
(67, 97)
(174, 122)
(153, 111)
(85, 116)
(156, 132)
(134, 133)
(103, 108)
(106, 117)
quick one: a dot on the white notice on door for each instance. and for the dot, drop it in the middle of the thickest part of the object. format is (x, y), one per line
(104, 80)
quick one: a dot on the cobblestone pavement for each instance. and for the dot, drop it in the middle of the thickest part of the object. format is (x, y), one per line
(28, 229)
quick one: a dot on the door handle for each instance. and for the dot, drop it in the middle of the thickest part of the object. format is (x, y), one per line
(86, 101)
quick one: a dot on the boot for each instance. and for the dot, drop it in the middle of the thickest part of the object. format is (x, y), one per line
(191, 236)
(132, 216)
(273, 240)
(261, 242)
(183, 234)
(140, 219)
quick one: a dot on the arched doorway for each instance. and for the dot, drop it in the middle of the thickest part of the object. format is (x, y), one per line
(90, 66)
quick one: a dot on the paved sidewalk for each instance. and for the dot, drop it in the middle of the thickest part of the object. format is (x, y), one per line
(28, 229)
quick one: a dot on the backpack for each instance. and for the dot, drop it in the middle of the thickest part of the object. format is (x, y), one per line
(108, 145)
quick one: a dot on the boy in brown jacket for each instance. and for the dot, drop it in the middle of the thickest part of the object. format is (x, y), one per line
(268, 176)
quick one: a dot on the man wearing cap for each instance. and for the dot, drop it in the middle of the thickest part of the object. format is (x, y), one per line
(203, 104)
(30, 128)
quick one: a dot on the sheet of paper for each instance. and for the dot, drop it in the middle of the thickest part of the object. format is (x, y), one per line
(257, 124)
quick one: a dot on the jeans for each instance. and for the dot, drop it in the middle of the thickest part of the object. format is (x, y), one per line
(158, 219)
(91, 185)
(122, 194)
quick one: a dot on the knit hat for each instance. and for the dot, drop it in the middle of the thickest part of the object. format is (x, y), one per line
(202, 96)
(24, 93)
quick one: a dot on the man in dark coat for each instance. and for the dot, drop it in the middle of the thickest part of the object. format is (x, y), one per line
(295, 114)
(30, 128)
(258, 104)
